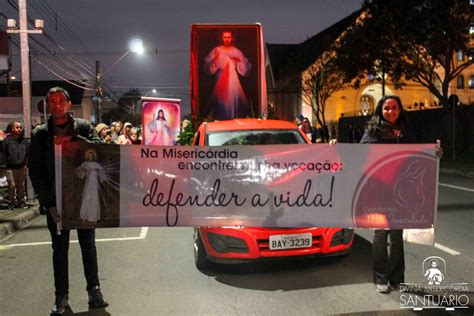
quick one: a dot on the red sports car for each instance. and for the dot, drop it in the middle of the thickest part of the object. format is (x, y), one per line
(244, 244)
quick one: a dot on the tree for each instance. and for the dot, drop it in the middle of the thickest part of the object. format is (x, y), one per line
(319, 82)
(129, 103)
(188, 129)
(409, 40)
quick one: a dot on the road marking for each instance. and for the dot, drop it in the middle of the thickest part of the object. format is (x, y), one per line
(455, 187)
(143, 234)
(447, 249)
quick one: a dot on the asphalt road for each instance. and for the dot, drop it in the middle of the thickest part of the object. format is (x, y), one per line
(150, 271)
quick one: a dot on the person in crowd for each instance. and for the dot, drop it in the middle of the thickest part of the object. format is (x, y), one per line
(323, 134)
(108, 136)
(116, 130)
(309, 130)
(16, 149)
(226, 62)
(41, 166)
(101, 129)
(135, 136)
(124, 138)
(299, 120)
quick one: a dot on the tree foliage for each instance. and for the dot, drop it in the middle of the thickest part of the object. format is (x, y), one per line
(409, 40)
(188, 129)
(319, 82)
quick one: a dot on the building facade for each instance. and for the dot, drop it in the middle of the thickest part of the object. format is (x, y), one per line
(291, 63)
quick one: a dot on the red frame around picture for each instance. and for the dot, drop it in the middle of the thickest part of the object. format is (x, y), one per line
(160, 121)
(227, 71)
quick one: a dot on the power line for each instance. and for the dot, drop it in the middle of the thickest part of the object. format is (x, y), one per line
(158, 52)
(52, 18)
(64, 25)
(52, 71)
(59, 76)
(79, 63)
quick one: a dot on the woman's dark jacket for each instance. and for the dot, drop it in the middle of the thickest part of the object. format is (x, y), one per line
(383, 134)
(16, 151)
(41, 158)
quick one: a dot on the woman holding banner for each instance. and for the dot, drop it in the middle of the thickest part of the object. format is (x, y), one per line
(388, 125)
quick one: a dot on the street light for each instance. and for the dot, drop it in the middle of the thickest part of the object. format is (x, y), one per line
(152, 91)
(135, 45)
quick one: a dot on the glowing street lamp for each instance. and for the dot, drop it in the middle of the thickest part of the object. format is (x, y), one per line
(135, 45)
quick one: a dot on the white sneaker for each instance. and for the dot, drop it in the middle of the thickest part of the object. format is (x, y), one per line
(382, 288)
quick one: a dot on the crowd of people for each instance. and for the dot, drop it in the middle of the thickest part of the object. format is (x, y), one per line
(119, 133)
(315, 135)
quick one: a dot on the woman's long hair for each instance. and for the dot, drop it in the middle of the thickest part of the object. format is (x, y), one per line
(377, 125)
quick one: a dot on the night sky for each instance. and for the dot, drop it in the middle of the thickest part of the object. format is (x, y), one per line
(90, 30)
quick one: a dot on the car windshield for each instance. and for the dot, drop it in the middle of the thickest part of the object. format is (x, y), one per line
(254, 137)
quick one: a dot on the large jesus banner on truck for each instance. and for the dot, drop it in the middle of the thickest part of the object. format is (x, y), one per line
(228, 71)
(349, 185)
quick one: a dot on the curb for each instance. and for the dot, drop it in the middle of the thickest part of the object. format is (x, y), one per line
(457, 172)
(18, 220)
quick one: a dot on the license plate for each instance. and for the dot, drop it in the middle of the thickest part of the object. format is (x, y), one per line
(290, 241)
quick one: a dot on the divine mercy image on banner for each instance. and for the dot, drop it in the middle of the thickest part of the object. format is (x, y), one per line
(160, 121)
(227, 80)
(91, 176)
(348, 185)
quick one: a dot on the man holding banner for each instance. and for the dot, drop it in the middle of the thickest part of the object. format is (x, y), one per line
(61, 127)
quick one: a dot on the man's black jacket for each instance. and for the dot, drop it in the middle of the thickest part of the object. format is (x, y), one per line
(41, 158)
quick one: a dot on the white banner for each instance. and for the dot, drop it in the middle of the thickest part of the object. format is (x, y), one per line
(348, 185)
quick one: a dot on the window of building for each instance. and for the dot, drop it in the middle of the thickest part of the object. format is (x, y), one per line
(460, 55)
(460, 82)
(471, 82)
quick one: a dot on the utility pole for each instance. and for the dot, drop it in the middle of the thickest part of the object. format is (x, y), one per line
(25, 61)
(98, 91)
(25, 73)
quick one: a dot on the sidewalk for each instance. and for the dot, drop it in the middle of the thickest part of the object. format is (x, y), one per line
(13, 220)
